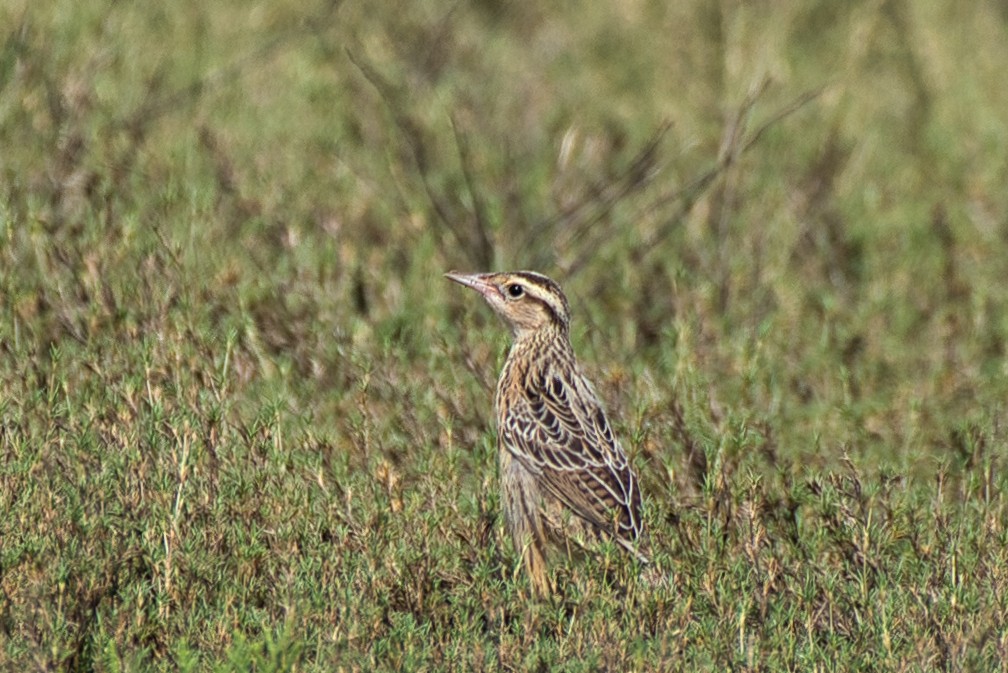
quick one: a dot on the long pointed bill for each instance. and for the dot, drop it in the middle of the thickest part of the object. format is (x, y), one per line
(476, 281)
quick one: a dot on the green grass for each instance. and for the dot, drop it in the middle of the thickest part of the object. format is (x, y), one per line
(246, 425)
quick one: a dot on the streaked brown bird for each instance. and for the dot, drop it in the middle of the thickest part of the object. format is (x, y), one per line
(565, 479)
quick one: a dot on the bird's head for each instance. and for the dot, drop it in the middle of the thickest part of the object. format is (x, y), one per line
(527, 301)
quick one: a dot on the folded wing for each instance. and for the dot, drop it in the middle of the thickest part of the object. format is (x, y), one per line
(559, 431)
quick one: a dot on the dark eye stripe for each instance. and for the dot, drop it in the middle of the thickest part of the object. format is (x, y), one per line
(546, 305)
(548, 287)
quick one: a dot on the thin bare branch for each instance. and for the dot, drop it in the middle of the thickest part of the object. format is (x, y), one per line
(688, 194)
(413, 134)
(581, 220)
(481, 223)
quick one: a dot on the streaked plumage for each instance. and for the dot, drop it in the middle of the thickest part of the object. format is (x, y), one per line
(565, 479)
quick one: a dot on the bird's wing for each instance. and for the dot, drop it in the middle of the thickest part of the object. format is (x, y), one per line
(558, 430)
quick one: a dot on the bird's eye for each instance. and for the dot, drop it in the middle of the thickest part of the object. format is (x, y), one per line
(515, 290)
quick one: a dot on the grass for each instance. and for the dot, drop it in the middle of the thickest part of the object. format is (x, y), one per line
(246, 425)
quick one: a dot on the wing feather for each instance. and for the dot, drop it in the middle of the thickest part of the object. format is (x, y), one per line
(559, 431)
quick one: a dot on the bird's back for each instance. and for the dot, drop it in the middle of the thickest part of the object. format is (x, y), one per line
(552, 424)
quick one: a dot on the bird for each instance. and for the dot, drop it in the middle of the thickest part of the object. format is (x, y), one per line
(565, 480)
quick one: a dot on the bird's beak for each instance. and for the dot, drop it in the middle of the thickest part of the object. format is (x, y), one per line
(476, 281)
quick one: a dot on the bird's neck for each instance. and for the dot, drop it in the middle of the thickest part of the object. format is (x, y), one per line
(534, 356)
(535, 348)
(527, 340)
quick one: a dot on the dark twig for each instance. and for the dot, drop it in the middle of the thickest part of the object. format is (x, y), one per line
(481, 225)
(580, 219)
(723, 205)
(689, 194)
(418, 145)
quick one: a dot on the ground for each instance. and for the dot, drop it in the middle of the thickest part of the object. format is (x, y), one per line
(247, 425)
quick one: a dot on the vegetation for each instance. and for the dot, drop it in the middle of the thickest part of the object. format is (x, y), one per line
(246, 425)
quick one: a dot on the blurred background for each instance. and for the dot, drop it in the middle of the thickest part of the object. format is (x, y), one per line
(804, 200)
(782, 227)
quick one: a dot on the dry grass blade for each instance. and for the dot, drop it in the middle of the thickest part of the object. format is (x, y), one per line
(575, 232)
